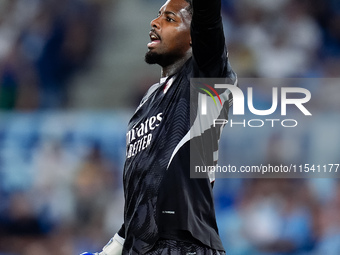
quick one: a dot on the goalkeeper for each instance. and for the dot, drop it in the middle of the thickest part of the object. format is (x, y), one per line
(166, 211)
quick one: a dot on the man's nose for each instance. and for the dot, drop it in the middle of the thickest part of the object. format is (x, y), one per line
(155, 23)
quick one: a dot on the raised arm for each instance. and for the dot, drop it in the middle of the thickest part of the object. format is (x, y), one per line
(208, 42)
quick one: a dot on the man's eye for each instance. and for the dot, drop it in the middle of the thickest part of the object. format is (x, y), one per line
(169, 19)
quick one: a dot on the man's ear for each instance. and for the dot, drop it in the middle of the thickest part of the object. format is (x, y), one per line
(190, 43)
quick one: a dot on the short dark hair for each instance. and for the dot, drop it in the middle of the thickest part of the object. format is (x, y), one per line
(189, 8)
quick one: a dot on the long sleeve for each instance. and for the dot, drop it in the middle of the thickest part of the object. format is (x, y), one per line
(121, 231)
(208, 42)
(207, 12)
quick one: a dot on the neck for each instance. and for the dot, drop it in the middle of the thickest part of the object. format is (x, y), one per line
(173, 68)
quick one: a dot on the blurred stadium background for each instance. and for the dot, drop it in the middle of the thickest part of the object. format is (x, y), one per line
(71, 73)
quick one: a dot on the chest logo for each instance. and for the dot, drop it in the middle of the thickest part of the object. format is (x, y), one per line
(140, 136)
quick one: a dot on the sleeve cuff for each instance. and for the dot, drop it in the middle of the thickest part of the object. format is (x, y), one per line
(119, 239)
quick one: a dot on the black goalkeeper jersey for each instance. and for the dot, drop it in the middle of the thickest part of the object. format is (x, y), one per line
(161, 200)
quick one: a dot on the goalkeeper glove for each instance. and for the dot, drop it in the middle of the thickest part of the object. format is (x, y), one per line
(113, 247)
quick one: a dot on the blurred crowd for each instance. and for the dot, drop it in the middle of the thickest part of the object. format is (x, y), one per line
(285, 38)
(60, 181)
(42, 44)
(61, 171)
(280, 216)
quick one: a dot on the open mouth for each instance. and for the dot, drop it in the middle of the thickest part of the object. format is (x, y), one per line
(155, 39)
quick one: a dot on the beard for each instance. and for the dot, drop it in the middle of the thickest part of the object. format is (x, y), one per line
(152, 58)
(163, 60)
